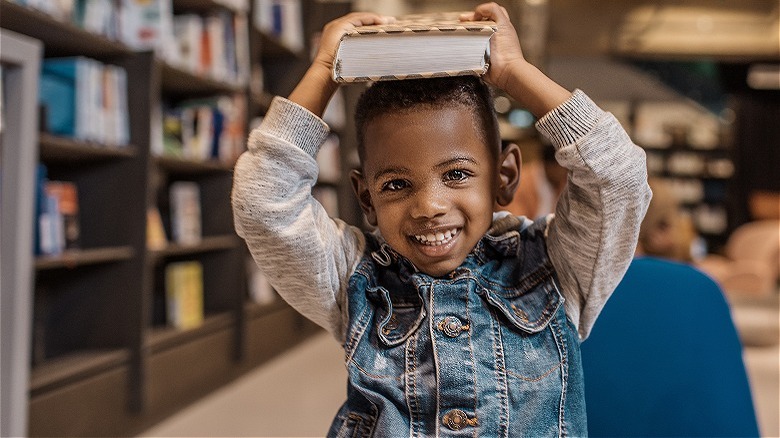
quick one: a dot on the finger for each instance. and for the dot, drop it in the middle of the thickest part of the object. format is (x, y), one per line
(367, 18)
(490, 11)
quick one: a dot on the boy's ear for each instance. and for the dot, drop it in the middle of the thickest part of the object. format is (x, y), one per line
(508, 173)
(360, 188)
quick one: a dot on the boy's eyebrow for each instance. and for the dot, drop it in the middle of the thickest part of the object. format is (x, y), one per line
(390, 171)
(456, 160)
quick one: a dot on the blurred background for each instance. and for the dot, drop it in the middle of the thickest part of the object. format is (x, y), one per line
(92, 343)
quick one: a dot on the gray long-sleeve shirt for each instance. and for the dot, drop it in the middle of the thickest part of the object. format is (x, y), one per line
(309, 256)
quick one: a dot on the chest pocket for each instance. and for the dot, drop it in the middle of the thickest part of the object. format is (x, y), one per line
(396, 315)
(530, 318)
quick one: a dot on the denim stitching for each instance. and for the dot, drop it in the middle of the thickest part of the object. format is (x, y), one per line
(411, 384)
(471, 353)
(500, 370)
(530, 379)
(431, 289)
(560, 343)
(359, 329)
(375, 376)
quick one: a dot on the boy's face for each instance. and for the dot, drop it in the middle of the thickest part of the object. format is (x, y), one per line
(430, 183)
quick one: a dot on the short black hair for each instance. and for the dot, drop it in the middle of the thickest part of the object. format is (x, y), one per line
(403, 95)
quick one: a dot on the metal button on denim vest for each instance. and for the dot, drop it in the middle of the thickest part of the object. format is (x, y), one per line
(486, 351)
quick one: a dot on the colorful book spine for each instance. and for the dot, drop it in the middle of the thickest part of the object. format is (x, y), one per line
(184, 294)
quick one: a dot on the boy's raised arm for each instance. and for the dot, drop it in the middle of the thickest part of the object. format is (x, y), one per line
(307, 256)
(594, 232)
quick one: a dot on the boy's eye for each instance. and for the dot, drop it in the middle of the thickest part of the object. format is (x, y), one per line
(394, 185)
(456, 175)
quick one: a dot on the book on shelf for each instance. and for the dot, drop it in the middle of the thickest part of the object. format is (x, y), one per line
(184, 294)
(215, 45)
(58, 9)
(281, 19)
(155, 231)
(147, 25)
(185, 212)
(415, 46)
(58, 225)
(85, 99)
(101, 17)
(204, 129)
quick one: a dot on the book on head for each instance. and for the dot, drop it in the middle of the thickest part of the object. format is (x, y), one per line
(414, 46)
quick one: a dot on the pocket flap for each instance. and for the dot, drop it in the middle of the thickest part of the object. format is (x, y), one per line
(396, 321)
(529, 310)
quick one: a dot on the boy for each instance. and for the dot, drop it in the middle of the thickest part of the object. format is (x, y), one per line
(453, 321)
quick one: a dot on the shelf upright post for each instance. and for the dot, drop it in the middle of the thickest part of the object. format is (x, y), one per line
(20, 58)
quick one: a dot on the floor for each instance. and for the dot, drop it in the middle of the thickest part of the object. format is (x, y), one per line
(298, 394)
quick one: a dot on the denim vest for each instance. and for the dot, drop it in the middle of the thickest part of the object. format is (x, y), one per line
(486, 351)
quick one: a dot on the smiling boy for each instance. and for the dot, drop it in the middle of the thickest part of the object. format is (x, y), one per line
(454, 320)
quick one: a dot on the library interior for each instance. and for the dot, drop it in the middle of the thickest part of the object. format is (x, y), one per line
(131, 306)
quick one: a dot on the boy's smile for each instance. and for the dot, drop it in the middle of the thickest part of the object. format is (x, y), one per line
(429, 183)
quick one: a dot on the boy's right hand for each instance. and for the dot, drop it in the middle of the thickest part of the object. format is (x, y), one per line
(333, 31)
(317, 86)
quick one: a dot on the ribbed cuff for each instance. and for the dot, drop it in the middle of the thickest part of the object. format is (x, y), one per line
(570, 121)
(295, 124)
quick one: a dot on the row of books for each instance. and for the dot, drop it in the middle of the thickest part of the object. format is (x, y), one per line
(57, 215)
(185, 218)
(215, 45)
(85, 99)
(204, 129)
(281, 19)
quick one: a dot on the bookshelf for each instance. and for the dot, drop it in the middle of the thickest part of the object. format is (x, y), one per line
(101, 357)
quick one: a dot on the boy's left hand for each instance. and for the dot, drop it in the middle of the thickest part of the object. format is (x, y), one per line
(505, 48)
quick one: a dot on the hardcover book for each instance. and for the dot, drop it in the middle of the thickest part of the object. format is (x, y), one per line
(184, 294)
(415, 46)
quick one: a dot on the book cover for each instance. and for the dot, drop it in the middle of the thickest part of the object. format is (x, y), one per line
(415, 46)
(184, 294)
(60, 87)
(185, 212)
(66, 214)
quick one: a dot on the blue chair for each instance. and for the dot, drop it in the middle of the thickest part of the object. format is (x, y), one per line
(664, 359)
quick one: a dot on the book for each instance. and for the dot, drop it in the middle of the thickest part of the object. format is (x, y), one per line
(415, 46)
(184, 294)
(85, 99)
(185, 212)
(58, 216)
(155, 231)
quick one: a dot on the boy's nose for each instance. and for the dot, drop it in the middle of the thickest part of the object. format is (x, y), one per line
(428, 204)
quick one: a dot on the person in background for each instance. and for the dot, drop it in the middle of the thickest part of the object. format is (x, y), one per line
(453, 320)
(666, 231)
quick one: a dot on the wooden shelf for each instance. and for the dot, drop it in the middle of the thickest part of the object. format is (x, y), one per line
(59, 38)
(75, 366)
(187, 166)
(178, 82)
(207, 244)
(161, 338)
(201, 6)
(66, 150)
(75, 258)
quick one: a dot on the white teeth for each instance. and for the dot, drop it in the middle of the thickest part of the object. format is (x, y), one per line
(437, 239)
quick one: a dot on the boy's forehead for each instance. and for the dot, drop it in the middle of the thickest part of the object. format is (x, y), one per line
(417, 124)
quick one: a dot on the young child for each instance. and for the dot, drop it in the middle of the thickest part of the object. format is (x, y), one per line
(454, 321)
